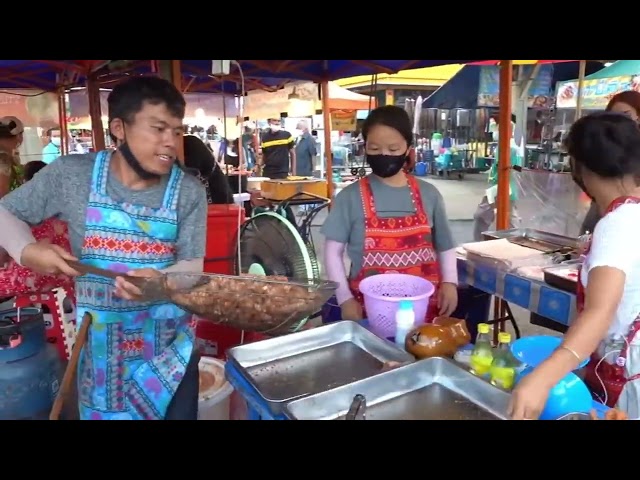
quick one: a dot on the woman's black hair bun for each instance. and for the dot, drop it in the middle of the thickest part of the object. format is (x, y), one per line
(606, 143)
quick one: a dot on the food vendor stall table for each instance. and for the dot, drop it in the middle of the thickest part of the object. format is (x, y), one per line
(532, 295)
(259, 408)
(521, 266)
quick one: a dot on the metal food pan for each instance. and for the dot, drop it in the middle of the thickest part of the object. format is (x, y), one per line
(552, 238)
(305, 363)
(558, 281)
(429, 389)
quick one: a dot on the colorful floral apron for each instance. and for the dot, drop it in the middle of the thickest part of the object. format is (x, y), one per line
(398, 245)
(616, 377)
(136, 353)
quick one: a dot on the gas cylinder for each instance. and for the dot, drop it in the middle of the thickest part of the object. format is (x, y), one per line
(30, 368)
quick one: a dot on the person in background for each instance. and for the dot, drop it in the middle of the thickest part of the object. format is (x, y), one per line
(220, 152)
(627, 103)
(390, 222)
(231, 156)
(238, 183)
(76, 146)
(278, 154)
(604, 150)
(51, 150)
(535, 133)
(305, 150)
(11, 171)
(31, 168)
(198, 159)
(135, 211)
(485, 213)
(247, 145)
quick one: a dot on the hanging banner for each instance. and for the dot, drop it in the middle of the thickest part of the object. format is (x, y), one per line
(595, 93)
(540, 92)
(343, 120)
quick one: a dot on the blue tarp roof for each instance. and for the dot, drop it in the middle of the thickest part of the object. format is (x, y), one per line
(267, 74)
(40, 74)
(462, 90)
(274, 74)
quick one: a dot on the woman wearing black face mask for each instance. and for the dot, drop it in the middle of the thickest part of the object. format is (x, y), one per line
(605, 156)
(390, 222)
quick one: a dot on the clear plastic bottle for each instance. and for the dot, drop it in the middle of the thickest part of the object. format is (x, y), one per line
(482, 355)
(405, 320)
(504, 365)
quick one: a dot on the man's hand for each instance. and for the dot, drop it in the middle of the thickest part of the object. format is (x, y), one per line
(45, 258)
(128, 290)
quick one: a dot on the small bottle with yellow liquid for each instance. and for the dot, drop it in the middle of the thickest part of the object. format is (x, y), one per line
(482, 354)
(504, 366)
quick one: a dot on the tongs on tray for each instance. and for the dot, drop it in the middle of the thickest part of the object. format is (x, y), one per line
(548, 248)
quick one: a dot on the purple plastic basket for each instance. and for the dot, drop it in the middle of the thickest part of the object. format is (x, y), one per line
(383, 294)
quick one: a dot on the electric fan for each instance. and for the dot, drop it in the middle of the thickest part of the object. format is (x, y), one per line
(271, 245)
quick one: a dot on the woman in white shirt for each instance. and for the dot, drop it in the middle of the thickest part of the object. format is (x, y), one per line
(605, 155)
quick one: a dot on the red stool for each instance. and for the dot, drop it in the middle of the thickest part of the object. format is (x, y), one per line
(56, 320)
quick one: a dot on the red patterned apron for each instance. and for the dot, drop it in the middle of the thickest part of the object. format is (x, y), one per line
(398, 245)
(611, 375)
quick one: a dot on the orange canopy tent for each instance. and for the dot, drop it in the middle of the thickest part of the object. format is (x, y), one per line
(343, 99)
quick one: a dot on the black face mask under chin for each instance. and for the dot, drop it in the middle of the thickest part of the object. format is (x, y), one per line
(386, 166)
(135, 165)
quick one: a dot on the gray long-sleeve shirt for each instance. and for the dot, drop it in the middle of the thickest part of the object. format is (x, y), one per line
(62, 189)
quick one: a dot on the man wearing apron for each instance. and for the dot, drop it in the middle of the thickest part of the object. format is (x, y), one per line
(132, 211)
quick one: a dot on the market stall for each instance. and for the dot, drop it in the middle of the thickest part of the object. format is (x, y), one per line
(279, 307)
(489, 271)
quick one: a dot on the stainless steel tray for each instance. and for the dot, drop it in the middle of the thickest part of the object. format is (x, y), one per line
(559, 240)
(305, 363)
(430, 389)
(560, 282)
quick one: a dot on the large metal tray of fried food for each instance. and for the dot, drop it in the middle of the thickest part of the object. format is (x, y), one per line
(430, 389)
(270, 305)
(305, 363)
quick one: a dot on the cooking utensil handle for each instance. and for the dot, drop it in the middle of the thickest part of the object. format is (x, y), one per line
(72, 367)
(103, 272)
(85, 269)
